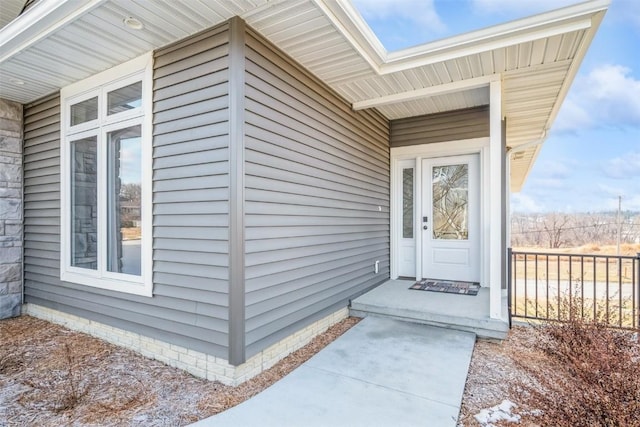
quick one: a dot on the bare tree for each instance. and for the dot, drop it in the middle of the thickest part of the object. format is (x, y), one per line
(554, 226)
(555, 230)
(130, 192)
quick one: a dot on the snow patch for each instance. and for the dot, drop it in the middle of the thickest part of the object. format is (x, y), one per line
(502, 412)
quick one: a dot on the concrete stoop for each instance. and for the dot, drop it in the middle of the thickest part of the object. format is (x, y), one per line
(483, 328)
(394, 300)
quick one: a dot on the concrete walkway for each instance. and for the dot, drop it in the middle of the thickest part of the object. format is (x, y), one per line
(382, 372)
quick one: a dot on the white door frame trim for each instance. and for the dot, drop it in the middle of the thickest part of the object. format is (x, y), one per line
(492, 257)
(441, 149)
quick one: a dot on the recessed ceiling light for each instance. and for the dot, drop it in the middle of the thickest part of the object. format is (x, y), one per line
(16, 82)
(133, 23)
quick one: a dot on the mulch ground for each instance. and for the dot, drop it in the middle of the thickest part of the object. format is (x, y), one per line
(52, 376)
(493, 373)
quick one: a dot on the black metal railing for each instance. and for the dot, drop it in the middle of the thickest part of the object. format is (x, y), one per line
(556, 286)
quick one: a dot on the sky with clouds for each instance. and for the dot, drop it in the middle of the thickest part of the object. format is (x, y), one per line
(592, 154)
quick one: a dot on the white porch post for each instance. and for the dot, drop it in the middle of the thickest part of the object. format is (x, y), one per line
(418, 215)
(495, 200)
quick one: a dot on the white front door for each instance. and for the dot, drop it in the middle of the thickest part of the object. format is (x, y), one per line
(450, 218)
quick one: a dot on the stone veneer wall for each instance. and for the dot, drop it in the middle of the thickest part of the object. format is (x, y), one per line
(11, 181)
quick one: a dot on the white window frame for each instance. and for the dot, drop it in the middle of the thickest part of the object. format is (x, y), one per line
(138, 69)
(397, 228)
(79, 98)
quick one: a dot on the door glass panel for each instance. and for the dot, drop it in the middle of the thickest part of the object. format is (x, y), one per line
(124, 99)
(84, 111)
(84, 203)
(450, 202)
(407, 203)
(124, 177)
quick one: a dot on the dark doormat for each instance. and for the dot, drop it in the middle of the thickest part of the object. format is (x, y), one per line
(447, 286)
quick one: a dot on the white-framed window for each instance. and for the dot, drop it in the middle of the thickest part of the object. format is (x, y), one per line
(105, 171)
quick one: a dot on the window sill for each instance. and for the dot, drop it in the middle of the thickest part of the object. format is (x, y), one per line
(135, 287)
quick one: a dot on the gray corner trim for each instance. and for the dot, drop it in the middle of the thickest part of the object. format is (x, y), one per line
(236, 192)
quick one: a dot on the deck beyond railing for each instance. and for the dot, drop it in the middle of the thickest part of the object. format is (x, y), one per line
(553, 286)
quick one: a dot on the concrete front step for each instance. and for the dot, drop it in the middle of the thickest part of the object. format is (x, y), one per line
(483, 328)
(394, 299)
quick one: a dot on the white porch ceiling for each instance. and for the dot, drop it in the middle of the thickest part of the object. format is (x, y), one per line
(536, 58)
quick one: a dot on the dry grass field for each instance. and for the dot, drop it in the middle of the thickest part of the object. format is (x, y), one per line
(132, 233)
(604, 286)
(562, 265)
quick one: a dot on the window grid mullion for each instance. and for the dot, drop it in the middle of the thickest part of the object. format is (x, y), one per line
(102, 203)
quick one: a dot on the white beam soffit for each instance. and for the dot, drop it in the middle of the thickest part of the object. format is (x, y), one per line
(404, 62)
(353, 27)
(534, 151)
(442, 89)
(371, 80)
(37, 23)
(348, 21)
(46, 17)
(584, 17)
(573, 70)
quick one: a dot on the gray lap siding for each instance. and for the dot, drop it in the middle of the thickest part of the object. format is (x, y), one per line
(441, 127)
(190, 206)
(316, 197)
(315, 206)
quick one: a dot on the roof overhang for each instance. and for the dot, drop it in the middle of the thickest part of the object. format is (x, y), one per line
(58, 42)
(9, 10)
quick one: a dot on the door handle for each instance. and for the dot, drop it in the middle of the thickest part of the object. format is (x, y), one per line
(424, 227)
